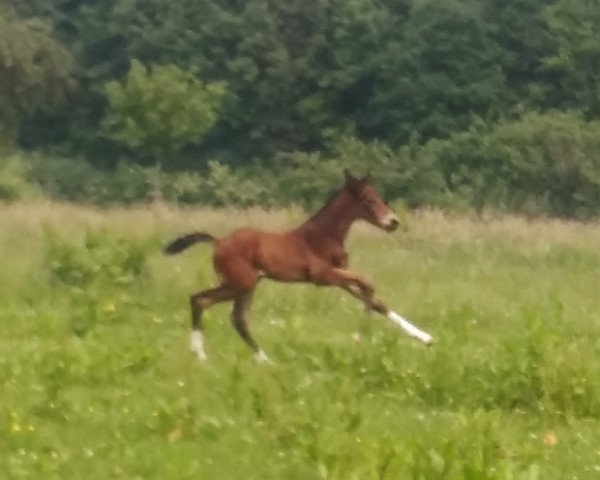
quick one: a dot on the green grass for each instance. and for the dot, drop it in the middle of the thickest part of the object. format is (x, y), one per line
(97, 382)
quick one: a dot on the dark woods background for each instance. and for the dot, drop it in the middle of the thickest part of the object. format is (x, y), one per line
(463, 104)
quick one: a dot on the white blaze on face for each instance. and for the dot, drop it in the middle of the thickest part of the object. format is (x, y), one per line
(409, 328)
(197, 344)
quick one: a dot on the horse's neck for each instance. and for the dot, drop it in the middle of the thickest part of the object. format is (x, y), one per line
(333, 220)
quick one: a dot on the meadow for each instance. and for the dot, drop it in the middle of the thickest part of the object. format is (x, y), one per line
(97, 381)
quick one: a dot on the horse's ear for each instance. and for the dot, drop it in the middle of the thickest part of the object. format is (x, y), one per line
(350, 179)
(367, 178)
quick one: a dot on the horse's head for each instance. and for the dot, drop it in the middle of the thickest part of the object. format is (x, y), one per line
(369, 204)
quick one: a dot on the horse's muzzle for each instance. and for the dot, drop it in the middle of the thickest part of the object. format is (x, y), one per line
(390, 224)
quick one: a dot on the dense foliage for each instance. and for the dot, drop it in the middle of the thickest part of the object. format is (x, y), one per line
(35, 71)
(298, 78)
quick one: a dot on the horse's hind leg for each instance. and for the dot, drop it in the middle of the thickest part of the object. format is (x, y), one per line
(239, 319)
(199, 302)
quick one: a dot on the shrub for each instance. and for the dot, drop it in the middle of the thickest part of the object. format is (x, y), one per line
(65, 179)
(92, 273)
(308, 178)
(541, 164)
(228, 187)
(13, 179)
(98, 258)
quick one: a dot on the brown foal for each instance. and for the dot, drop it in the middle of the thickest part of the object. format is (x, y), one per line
(313, 252)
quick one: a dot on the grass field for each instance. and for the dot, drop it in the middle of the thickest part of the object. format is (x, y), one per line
(97, 381)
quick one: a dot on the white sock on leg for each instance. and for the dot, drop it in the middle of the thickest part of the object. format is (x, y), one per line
(409, 328)
(197, 344)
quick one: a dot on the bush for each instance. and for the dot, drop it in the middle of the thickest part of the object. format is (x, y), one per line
(66, 179)
(539, 164)
(224, 186)
(14, 184)
(92, 273)
(78, 181)
(97, 258)
(308, 178)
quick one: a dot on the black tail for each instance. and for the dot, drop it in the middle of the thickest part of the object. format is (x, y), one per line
(185, 241)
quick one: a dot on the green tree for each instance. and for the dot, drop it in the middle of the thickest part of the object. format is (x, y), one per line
(521, 31)
(301, 74)
(159, 110)
(297, 72)
(435, 77)
(35, 71)
(575, 31)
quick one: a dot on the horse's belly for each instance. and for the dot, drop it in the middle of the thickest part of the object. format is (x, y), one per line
(284, 261)
(284, 269)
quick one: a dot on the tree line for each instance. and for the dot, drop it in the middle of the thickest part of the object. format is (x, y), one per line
(236, 89)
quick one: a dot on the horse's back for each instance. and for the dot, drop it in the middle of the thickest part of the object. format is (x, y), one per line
(239, 242)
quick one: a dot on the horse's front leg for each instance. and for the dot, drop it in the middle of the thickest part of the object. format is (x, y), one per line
(352, 282)
(361, 288)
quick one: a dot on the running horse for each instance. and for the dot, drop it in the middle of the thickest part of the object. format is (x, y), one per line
(313, 252)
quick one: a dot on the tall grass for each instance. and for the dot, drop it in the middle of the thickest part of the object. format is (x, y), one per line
(97, 381)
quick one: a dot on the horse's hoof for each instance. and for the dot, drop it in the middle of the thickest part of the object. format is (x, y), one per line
(261, 357)
(197, 345)
(200, 356)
